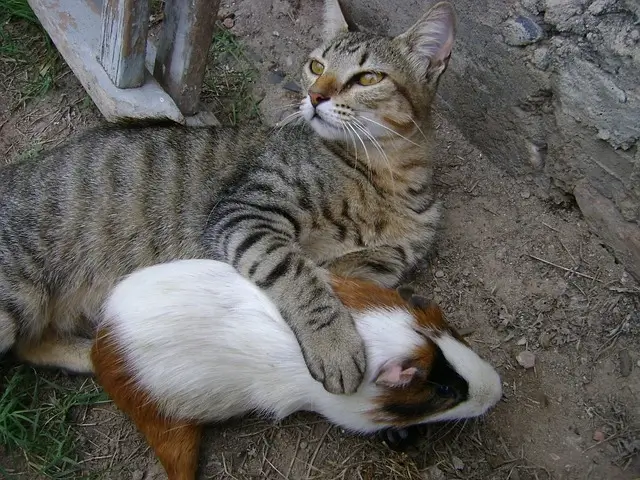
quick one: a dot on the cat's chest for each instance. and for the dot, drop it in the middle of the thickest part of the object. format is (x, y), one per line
(346, 226)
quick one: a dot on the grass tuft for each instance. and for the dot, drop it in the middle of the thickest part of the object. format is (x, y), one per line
(35, 423)
(25, 45)
(228, 80)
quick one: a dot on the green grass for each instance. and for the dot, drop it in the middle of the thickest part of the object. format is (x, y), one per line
(228, 80)
(35, 421)
(25, 46)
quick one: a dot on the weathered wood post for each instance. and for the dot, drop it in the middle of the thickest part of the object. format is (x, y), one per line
(123, 41)
(181, 57)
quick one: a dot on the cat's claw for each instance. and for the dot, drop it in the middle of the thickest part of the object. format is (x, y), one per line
(335, 356)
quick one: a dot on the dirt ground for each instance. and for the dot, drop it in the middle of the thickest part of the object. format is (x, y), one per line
(522, 272)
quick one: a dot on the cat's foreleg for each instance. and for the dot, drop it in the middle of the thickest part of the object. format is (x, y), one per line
(383, 265)
(263, 247)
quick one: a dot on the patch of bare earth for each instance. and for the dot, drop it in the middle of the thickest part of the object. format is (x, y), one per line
(519, 271)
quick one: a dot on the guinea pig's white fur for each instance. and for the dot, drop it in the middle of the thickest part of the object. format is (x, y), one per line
(206, 345)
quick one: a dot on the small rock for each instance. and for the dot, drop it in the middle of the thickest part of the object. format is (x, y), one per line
(600, 6)
(303, 445)
(521, 31)
(432, 473)
(545, 339)
(466, 272)
(522, 341)
(292, 87)
(526, 359)
(137, 475)
(457, 463)
(525, 194)
(541, 58)
(542, 305)
(598, 436)
(626, 365)
(289, 61)
(228, 22)
(274, 77)
(276, 33)
(437, 289)
(439, 274)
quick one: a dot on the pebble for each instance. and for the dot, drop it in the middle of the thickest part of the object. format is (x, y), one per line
(432, 473)
(137, 475)
(542, 305)
(545, 339)
(275, 76)
(526, 359)
(525, 194)
(228, 22)
(521, 31)
(626, 365)
(276, 33)
(598, 436)
(457, 463)
(292, 87)
(304, 445)
(439, 274)
(522, 341)
(466, 272)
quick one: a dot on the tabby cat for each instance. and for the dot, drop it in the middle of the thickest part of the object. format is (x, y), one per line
(349, 190)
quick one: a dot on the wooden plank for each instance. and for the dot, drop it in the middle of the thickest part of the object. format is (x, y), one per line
(75, 26)
(182, 49)
(125, 26)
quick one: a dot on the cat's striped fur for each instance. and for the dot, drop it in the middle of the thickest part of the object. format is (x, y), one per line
(350, 190)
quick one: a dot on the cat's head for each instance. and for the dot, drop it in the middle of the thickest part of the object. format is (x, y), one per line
(369, 85)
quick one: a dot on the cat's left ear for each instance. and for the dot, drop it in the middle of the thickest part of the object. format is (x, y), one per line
(336, 20)
(430, 40)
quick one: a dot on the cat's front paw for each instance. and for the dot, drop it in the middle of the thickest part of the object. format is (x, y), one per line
(335, 355)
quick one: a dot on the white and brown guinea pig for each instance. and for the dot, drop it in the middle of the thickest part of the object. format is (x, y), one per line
(205, 344)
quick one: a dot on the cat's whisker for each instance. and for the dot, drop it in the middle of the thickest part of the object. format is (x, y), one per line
(288, 119)
(389, 129)
(376, 144)
(366, 152)
(353, 140)
(285, 107)
(418, 127)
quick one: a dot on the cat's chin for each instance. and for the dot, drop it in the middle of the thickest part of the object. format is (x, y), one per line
(326, 130)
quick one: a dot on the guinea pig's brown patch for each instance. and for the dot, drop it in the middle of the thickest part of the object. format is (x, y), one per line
(361, 294)
(175, 443)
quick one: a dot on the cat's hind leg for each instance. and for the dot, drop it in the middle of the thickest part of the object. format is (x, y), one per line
(69, 353)
(8, 332)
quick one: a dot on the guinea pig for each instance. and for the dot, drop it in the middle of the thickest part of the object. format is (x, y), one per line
(204, 345)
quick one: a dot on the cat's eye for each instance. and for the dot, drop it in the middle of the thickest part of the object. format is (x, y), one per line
(316, 67)
(370, 78)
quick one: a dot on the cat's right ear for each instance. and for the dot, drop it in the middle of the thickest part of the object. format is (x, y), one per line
(336, 20)
(430, 40)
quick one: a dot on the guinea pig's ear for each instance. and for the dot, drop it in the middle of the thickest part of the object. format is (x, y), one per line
(405, 292)
(393, 374)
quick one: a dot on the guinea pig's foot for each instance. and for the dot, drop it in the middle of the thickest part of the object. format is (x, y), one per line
(399, 438)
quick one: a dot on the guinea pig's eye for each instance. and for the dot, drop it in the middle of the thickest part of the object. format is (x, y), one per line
(316, 67)
(370, 78)
(445, 391)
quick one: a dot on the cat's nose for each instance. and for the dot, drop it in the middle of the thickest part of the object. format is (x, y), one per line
(317, 98)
